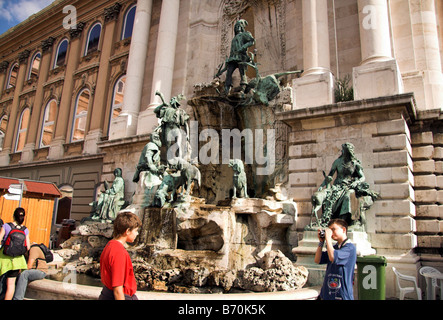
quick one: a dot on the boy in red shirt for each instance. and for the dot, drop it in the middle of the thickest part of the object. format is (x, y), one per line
(117, 273)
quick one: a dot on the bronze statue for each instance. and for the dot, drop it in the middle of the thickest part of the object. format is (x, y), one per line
(173, 121)
(111, 200)
(336, 198)
(239, 178)
(168, 188)
(263, 90)
(238, 56)
(150, 161)
(188, 173)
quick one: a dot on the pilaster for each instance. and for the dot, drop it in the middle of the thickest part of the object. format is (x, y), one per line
(100, 100)
(56, 151)
(8, 146)
(35, 123)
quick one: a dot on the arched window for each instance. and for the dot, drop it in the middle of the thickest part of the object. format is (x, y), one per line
(93, 38)
(80, 116)
(128, 23)
(12, 77)
(22, 130)
(35, 66)
(117, 98)
(48, 125)
(3, 127)
(60, 56)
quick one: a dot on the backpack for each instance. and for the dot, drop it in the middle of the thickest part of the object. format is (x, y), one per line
(49, 257)
(15, 243)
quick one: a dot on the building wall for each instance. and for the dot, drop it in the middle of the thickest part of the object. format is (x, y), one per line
(83, 174)
(79, 163)
(426, 139)
(388, 49)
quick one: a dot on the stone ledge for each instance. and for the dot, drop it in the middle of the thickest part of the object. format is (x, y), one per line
(404, 100)
(54, 290)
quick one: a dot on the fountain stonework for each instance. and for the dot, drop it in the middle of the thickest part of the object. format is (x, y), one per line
(212, 181)
(211, 190)
(229, 239)
(210, 193)
(189, 245)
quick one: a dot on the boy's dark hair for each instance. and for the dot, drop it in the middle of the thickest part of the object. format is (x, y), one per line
(124, 221)
(340, 222)
(19, 215)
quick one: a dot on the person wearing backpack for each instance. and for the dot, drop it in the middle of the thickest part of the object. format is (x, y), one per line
(15, 243)
(37, 269)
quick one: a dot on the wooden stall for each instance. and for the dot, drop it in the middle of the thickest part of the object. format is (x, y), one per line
(38, 200)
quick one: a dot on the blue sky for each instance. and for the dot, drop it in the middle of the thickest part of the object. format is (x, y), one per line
(12, 12)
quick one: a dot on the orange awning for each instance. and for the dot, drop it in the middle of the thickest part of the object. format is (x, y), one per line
(39, 187)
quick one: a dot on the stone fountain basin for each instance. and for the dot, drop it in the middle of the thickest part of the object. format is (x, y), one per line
(55, 290)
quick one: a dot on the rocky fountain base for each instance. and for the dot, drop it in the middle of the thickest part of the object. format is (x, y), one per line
(238, 245)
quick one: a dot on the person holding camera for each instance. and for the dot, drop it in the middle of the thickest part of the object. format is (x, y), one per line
(340, 259)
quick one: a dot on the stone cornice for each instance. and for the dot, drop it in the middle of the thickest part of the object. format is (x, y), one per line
(406, 100)
(67, 160)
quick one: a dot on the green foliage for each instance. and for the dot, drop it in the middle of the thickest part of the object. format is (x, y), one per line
(343, 89)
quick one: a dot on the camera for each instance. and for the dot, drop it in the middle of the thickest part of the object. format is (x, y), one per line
(322, 234)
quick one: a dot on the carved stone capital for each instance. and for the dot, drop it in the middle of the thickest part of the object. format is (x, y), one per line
(47, 44)
(77, 31)
(23, 56)
(4, 66)
(111, 13)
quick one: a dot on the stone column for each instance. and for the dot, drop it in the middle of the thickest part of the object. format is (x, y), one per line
(316, 86)
(56, 150)
(36, 119)
(428, 83)
(378, 74)
(100, 101)
(125, 125)
(164, 63)
(11, 131)
(374, 31)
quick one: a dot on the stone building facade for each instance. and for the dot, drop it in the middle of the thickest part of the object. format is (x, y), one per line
(65, 119)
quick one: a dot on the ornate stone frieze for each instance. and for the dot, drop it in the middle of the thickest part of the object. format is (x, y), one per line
(234, 7)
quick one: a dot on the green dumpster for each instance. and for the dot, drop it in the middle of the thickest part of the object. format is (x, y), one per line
(371, 276)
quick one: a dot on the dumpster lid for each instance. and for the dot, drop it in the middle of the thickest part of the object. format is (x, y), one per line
(372, 259)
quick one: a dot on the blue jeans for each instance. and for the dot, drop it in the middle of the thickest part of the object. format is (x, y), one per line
(23, 279)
